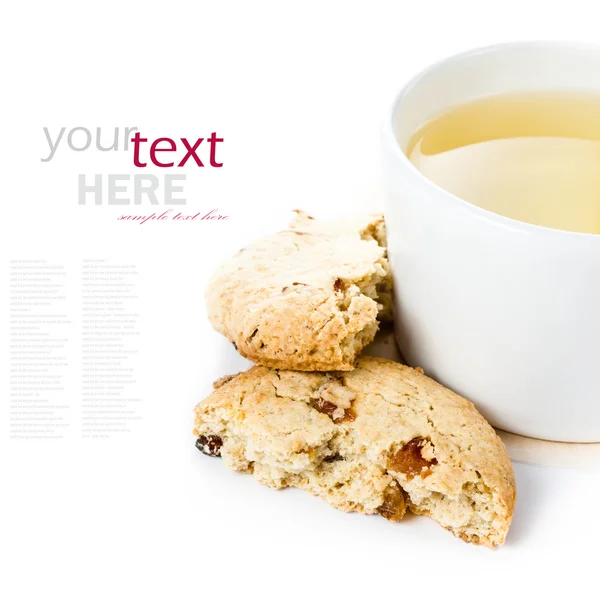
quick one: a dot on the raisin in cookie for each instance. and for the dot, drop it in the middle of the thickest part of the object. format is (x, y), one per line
(307, 298)
(379, 439)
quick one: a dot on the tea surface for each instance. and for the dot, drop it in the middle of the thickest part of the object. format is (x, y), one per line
(533, 157)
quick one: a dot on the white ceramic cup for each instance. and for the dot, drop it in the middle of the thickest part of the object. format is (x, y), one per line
(505, 313)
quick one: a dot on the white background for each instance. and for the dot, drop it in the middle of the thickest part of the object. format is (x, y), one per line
(298, 91)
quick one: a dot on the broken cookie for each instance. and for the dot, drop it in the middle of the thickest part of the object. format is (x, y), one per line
(308, 298)
(378, 440)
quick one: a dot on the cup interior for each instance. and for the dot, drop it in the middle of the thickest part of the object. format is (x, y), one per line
(533, 66)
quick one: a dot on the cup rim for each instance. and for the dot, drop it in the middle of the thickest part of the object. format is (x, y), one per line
(390, 140)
